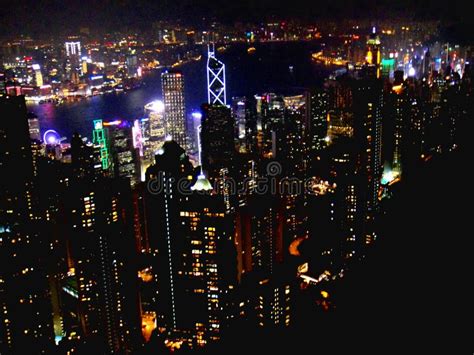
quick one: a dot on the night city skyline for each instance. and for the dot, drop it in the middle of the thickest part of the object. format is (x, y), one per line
(259, 176)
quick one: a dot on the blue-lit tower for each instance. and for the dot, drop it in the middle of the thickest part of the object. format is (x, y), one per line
(216, 93)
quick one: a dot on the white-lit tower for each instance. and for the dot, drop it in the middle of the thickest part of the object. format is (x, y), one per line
(216, 91)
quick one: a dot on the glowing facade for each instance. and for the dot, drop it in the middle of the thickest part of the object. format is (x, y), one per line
(154, 133)
(191, 232)
(174, 110)
(73, 49)
(373, 52)
(98, 137)
(216, 91)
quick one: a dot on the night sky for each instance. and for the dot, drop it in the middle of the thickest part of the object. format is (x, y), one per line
(49, 16)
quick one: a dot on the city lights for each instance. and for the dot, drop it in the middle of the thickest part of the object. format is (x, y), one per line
(51, 137)
(242, 178)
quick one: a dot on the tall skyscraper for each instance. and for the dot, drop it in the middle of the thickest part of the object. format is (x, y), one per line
(216, 87)
(374, 57)
(99, 138)
(195, 264)
(260, 234)
(25, 305)
(360, 102)
(154, 132)
(85, 158)
(239, 110)
(34, 126)
(217, 122)
(317, 110)
(99, 221)
(172, 83)
(73, 48)
(367, 109)
(124, 156)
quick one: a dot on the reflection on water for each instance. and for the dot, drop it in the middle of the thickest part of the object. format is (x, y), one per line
(264, 71)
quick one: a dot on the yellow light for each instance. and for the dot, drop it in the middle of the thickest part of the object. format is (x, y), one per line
(369, 57)
(325, 294)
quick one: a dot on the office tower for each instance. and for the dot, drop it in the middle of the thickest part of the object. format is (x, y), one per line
(292, 148)
(73, 56)
(216, 88)
(99, 138)
(85, 158)
(240, 112)
(154, 133)
(172, 83)
(38, 78)
(99, 221)
(373, 57)
(317, 111)
(84, 67)
(73, 48)
(270, 125)
(387, 67)
(132, 63)
(193, 239)
(34, 128)
(125, 161)
(217, 153)
(24, 291)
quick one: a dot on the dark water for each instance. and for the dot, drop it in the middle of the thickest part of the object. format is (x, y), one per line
(268, 69)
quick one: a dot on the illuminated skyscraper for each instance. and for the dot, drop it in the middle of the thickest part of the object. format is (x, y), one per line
(216, 88)
(38, 77)
(99, 138)
(73, 48)
(99, 221)
(317, 105)
(172, 83)
(34, 126)
(367, 109)
(154, 133)
(374, 56)
(239, 110)
(346, 206)
(124, 157)
(195, 264)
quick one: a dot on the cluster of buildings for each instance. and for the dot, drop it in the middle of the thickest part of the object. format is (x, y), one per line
(82, 66)
(159, 233)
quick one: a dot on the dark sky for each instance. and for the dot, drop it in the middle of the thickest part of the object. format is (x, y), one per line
(50, 16)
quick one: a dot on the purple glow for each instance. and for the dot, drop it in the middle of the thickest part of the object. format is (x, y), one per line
(51, 137)
(197, 115)
(137, 137)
